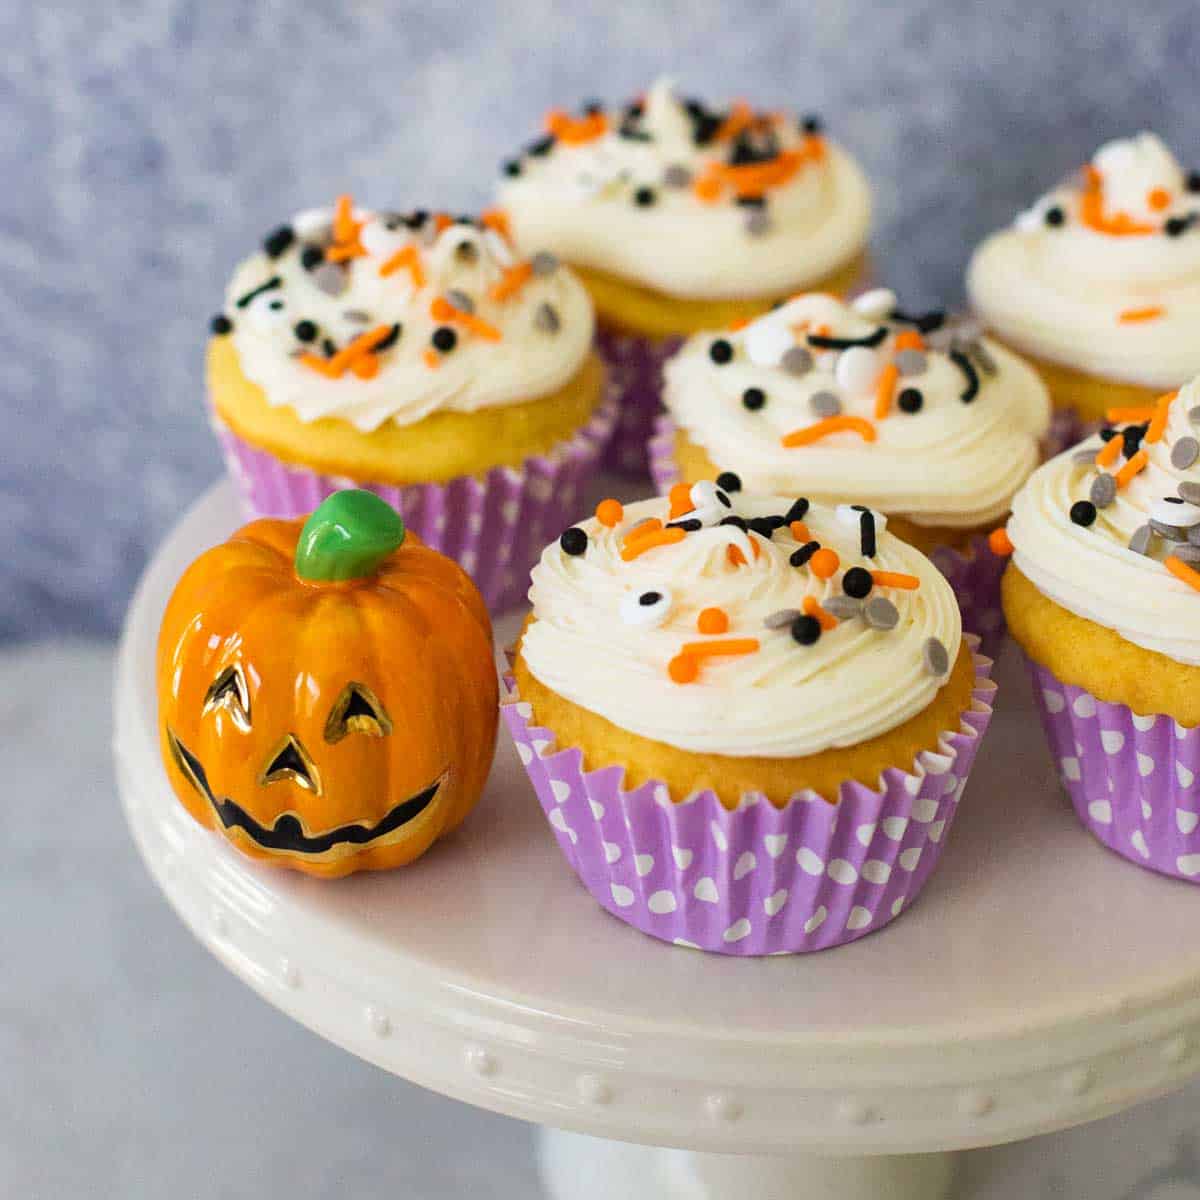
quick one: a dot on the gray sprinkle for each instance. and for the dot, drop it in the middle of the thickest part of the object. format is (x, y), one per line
(845, 608)
(1193, 535)
(544, 263)
(1190, 492)
(429, 235)
(1139, 543)
(357, 315)
(1187, 553)
(825, 404)
(1103, 491)
(330, 278)
(936, 657)
(782, 618)
(911, 362)
(676, 176)
(1173, 533)
(460, 300)
(797, 360)
(1084, 456)
(758, 222)
(881, 613)
(979, 352)
(547, 319)
(1194, 415)
(466, 251)
(1184, 453)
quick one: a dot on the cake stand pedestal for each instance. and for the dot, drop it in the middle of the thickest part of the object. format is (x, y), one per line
(1038, 981)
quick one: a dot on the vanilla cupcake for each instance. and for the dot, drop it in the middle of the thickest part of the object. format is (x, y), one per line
(680, 218)
(1098, 284)
(418, 356)
(908, 412)
(1103, 594)
(749, 719)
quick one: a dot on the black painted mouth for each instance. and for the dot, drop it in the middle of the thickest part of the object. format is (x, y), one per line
(287, 834)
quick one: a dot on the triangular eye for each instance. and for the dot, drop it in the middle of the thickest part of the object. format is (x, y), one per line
(229, 691)
(357, 710)
(290, 761)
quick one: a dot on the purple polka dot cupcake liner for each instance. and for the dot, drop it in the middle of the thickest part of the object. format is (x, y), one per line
(1133, 780)
(974, 574)
(759, 879)
(494, 526)
(634, 366)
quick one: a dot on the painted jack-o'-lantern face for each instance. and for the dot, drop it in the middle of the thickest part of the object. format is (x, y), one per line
(327, 692)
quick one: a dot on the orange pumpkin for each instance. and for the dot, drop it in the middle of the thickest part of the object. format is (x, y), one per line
(327, 693)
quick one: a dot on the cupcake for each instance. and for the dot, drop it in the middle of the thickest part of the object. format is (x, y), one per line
(1103, 595)
(908, 412)
(748, 719)
(680, 218)
(1098, 284)
(420, 357)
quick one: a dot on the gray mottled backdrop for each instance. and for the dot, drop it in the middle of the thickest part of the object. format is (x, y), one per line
(146, 144)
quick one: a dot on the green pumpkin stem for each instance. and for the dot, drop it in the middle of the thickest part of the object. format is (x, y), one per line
(347, 537)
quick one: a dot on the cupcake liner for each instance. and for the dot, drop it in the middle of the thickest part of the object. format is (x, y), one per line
(1067, 428)
(760, 879)
(1134, 781)
(974, 574)
(493, 526)
(634, 367)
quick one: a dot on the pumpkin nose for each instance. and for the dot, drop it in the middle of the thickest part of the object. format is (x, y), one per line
(290, 761)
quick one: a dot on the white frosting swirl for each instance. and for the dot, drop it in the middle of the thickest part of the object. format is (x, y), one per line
(1091, 570)
(1102, 274)
(534, 354)
(950, 463)
(783, 700)
(579, 201)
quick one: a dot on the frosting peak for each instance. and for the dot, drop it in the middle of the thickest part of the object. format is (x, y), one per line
(372, 317)
(780, 628)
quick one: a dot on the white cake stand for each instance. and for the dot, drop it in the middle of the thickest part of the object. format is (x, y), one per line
(1038, 982)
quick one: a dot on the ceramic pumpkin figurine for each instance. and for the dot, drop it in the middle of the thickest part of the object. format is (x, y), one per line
(327, 695)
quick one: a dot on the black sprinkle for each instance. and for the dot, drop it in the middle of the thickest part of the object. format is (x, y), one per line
(221, 325)
(278, 240)
(797, 512)
(967, 367)
(444, 339)
(1083, 512)
(1055, 217)
(646, 599)
(270, 285)
(573, 541)
(857, 582)
(724, 499)
(801, 556)
(754, 398)
(629, 130)
(1132, 436)
(1107, 434)
(832, 343)
(329, 346)
(1175, 226)
(305, 331)
(511, 168)
(866, 533)
(311, 257)
(751, 201)
(811, 124)
(644, 197)
(720, 352)
(542, 146)
(1193, 181)
(806, 630)
(924, 322)
(592, 107)
(764, 526)
(910, 400)
(727, 481)
(688, 524)
(736, 521)
(392, 338)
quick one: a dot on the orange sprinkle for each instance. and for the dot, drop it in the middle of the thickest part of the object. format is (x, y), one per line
(1133, 316)
(343, 251)
(345, 228)
(1132, 467)
(824, 563)
(1109, 452)
(366, 367)
(896, 579)
(661, 537)
(909, 339)
(726, 648)
(740, 116)
(1158, 198)
(825, 619)
(738, 323)
(609, 512)
(440, 309)
(737, 558)
(649, 525)
(432, 358)
(712, 620)
(681, 500)
(799, 531)
(823, 428)
(683, 668)
(885, 385)
(1181, 570)
(335, 366)
(575, 131)
(1092, 214)
(1144, 413)
(707, 189)
(406, 257)
(1158, 423)
(512, 281)
(1000, 543)
(497, 219)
